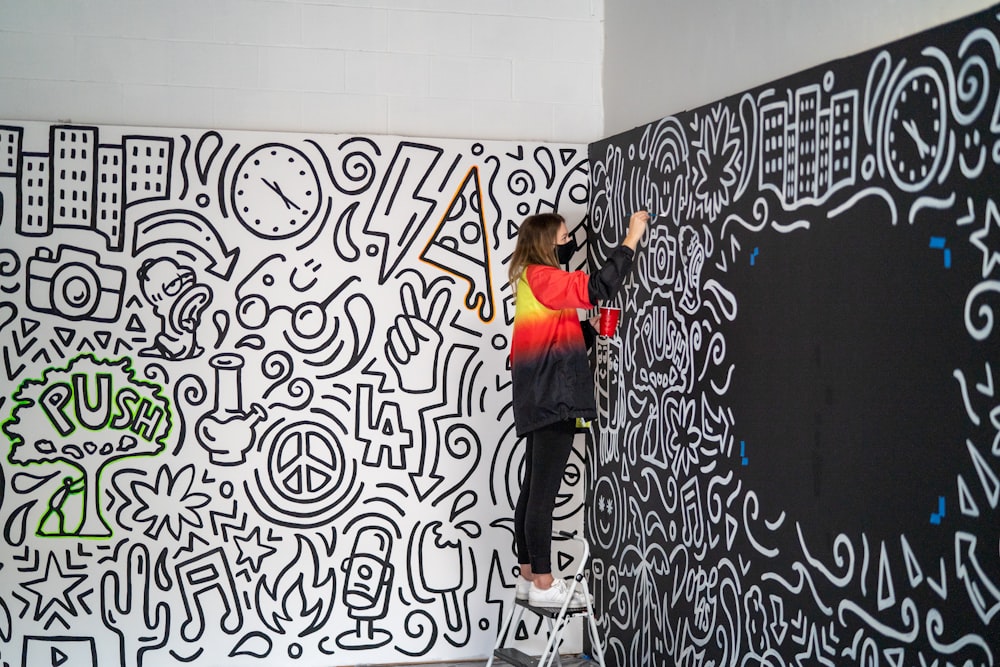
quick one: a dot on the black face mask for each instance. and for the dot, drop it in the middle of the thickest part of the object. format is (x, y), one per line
(565, 251)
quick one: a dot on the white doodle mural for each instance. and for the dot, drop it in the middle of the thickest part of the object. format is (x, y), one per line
(255, 397)
(799, 445)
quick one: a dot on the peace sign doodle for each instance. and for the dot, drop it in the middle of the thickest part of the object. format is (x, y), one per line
(307, 480)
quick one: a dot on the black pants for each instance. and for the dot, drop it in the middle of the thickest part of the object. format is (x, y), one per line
(548, 450)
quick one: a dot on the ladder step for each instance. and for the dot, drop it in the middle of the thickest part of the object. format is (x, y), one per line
(552, 612)
(516, 658)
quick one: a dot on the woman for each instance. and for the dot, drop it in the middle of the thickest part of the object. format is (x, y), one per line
(552, 380)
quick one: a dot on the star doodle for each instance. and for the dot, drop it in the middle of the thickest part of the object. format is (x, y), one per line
(54, 588)
(252, 550)
(981, 239)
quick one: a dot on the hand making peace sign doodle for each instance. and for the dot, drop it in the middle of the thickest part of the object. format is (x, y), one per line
(413, 342)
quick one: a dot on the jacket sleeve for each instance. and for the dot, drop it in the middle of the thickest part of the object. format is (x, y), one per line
(589, 333)
(606, 282)
(557, 289)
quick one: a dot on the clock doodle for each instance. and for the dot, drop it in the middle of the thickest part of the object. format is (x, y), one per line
(276, 191)
(915, 129)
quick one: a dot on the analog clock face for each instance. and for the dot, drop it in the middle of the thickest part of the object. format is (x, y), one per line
(915, 129)
(276, 192)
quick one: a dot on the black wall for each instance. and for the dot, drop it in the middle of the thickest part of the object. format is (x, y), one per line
(798, 454)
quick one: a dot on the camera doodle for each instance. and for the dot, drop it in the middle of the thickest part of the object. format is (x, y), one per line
(74, 284)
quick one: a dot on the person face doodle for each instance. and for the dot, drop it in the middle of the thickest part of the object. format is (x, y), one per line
(163, 280)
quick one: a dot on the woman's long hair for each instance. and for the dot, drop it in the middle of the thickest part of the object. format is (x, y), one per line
(536, 240)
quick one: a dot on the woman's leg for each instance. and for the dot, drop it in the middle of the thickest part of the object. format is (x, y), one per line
(520, 541)
(550, 449)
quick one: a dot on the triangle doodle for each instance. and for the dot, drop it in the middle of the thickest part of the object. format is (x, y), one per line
(567, 155)
(135, 324)
(103, 337)
(732, 526)
(512, 229)
(42, 353)
(913, 570)
(986, 389)
(460, 245)
(134, 302)
(965, 499)
(988, 478)
(27, 326)
(65, 335)
(894, 656)
(85, 343)
(565, 560)
(886, 589)
(518, 154)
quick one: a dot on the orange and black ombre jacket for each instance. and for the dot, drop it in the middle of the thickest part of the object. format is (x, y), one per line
(552, 380)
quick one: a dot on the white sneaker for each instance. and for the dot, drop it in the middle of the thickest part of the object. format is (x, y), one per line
(555, 595)
(523, 587)
(579, 599)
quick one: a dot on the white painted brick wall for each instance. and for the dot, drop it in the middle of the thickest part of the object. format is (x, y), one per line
(502, 69)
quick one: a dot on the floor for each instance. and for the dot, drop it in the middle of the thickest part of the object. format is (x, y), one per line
(566, 662)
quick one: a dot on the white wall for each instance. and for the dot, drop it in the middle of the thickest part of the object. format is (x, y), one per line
(319, 327)
(510, 69)
(665, 56)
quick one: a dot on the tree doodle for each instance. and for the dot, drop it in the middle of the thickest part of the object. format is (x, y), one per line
(59, 417)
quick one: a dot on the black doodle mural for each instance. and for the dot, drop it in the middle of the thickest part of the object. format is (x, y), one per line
(255, 398)
(799, 435)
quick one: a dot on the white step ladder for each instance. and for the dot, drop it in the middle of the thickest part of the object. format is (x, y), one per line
(557, 618)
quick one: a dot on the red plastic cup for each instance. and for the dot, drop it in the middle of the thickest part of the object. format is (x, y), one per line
(609, 320)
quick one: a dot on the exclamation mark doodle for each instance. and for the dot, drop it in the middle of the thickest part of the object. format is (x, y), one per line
(743, 453)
